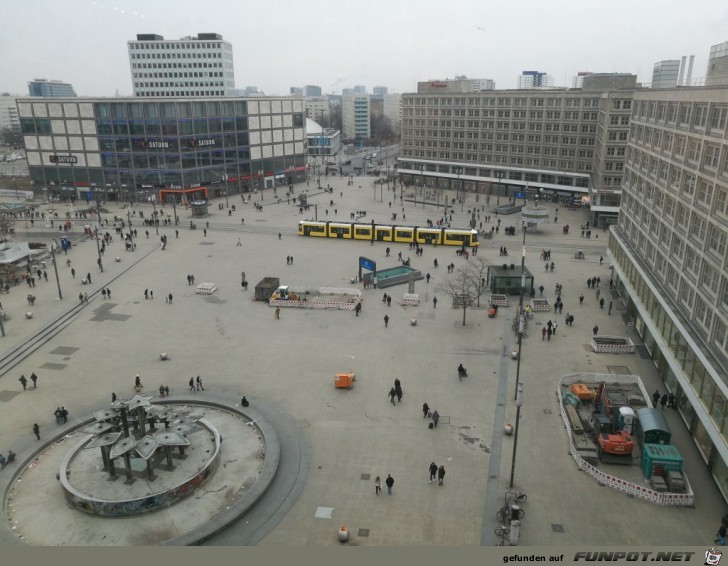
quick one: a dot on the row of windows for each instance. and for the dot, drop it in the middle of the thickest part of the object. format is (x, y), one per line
(178, 75)
(552, 102)
(176, 66)
(485, 172)
(703, 117)
(176, 56)
(173, 45)
(497, 159)
(177, 84)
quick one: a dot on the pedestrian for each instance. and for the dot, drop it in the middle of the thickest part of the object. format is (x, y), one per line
(108, 293)
(433, 472)
(169, 298)
(549, 332)
(239, 242)
(599, 292)
(428, 278)
(389, 300)
(192, 383)
(425, 410)
(113, 397)
(581, 299)
(36, 431)
(440, 474)
(554, 328)
(386, 320)
(73, 273)
(601, 303)
(146, 294)
(671, 401)
(540, 290)
(663, 401)
(23, 381)
(610, 308)
(390, 482)
(655, 398)
(80, 297)
(138, 382)
(278, 313)
(88, 278)
(357, 309)
(392, 395)
(434, 302)
(595, 329)
(199, 384)
(543, 333)
(435, 417)
(85, 297)
(204, 231)
(103, 293)
(377, 485)
(151, 295)
(34, 379)
(601, 259)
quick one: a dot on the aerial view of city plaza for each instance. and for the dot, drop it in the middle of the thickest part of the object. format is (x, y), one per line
(232, 319)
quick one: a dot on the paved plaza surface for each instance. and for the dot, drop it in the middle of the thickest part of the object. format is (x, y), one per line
(335, 442)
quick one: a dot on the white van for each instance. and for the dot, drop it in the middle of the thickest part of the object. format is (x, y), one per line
(374, 155)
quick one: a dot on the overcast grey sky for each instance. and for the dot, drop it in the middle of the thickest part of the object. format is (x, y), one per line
(339, 43)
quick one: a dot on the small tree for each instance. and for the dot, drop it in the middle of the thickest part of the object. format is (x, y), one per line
(478, 268)
(462, 288)
(7, 223)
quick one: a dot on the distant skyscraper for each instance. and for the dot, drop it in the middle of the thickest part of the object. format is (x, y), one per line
(578, 80)
(356, 114)
(311, 90)
(345, 91)
(534, 79)
(664, 74)
(380, 90)
(44, 87)
(296, 91)
(360, 89)
(191, 66)
(717, 73)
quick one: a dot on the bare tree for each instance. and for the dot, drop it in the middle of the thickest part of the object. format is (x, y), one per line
(478, 269)
(7, 223)
(462, 288)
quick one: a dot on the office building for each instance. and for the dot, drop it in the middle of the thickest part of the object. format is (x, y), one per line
(561, 144)
(665, 74)
(578, 80)
(128, 148)
(44, 87)
(458, 85)
(534, 79)
(9, 119)
(380, 90)
(311, 90)
(318, 109)
(717, 73)
(668, 254)
(295, 91)
(355, 116)
(191, 66)
(322, 141)
(392, 110)
(360, 89)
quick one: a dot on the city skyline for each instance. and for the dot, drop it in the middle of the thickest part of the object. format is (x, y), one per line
(341, 44)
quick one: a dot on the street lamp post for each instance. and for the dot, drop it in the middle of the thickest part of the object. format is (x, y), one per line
(154, 218)
(499, 176)
(519, 402)
(225, 179)
(52, 246)
(521, 316)
(98, 249)
(131, 233)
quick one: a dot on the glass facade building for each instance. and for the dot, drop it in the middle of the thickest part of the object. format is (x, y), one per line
(125, 148)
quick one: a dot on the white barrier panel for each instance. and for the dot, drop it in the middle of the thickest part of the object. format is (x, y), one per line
(206, 289)
(411, 299)
(602, 348)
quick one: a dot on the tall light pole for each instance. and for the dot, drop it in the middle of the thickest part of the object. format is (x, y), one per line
(521, 316)
(131, 232)
(519, 402)
(98, 249)
(154, 218)
(52, 246)
(225, 179)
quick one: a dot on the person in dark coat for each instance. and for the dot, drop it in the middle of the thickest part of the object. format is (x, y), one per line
(435, 417)
(440, 474)
(425, 410)
(663, 401)
(433, 471)
(23, 382)
(34, 379)
(398, 389)
(392, 395)
(671, 401)
(36, 431)
(390, 482)
(244, 402)
(655, 398)
(192, 384)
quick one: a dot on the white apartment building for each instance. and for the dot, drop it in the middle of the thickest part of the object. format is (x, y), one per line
(191, 66)
(392, 108)
(9, 119)
(318, 109)
(356, 116)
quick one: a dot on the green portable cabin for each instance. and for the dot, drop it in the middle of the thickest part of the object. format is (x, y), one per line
(652, 426)
(659, 459)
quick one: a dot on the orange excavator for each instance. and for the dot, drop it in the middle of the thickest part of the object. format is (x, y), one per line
(614, 444)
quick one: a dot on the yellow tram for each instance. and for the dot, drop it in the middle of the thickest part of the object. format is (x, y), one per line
(386, 233)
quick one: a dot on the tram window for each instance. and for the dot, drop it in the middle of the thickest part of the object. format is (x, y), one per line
(363, 231)
(404, 233)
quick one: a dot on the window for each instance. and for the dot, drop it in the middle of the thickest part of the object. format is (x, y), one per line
(721, 201)
(694, 151)
(680, 145)
(697, 228)
(705, 192)
(712, 156)
(700, 117)
(718, 119)
(689, 185)
(717, 240)
(710, 278)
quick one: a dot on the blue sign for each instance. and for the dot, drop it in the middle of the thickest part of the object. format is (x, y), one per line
(367, 263)
(65, 244)
(518, 195)
(88, 196)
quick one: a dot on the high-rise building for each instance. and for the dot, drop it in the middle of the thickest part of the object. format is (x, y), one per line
(311, 90)
(534, 79)
(665, 73)
(318, 109)
(44, 87)
(355, 116)
(295, 91)
(392, 109)
(717, 73)
(668, 254)
(9, 119)
(345, 91)
(360, 89)
(578, 80)
(191, 66)
(380, 90)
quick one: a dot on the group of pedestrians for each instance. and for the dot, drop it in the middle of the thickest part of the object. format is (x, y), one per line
(24, 382)
(196, 384)
(396, 392)
(549, 330)
(666, 399)
(437, 472)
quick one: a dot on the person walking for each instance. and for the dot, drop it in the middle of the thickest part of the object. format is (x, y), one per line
(595, 329)
(433, 472)
(386, 320)
(36, 431)
(543, 333)
(554, 328)
(425, 410)
(599, 292)
(655, 398)
(663, 401)
(392, 395)
(435, 417)
(199, 384)
(23, 382)
(610, 308)
(434, 302)
(377, 485)
(34, 379)
(440, 474)
(192, 383)
(581, 299)
(357, 309)
(549, 332)
(73, 273)
(390, 482)
(278, 313)
(601, 303)
(137, 382)
(88, 277)
(113, 397)
(671, 401)
(398, 390)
